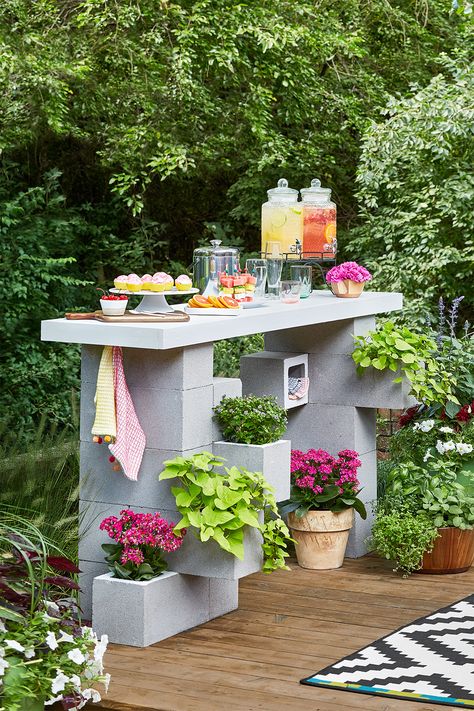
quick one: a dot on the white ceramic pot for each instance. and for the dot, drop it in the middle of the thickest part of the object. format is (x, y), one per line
(113, 308)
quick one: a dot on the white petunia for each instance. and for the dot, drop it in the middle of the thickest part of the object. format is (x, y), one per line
(13, 644)
(424, 425)
(51, 606)
(2, 627)
(449, 446)
(107, 678)
(3, 665)
(66, 637)
(91, 695)
(75, 655)
(440, 447)
(53, 700)
(51, 640)
(427, 456)
(76, 681)
(59, 682)
(29, 653)
(464, 448)
(446, 430)
(100, 648)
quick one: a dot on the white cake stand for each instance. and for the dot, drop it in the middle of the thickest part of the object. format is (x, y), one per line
(154, 302)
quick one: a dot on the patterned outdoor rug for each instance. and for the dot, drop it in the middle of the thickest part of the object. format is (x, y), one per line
(431, 659)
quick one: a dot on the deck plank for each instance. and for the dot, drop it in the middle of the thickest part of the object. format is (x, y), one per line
(288, 625)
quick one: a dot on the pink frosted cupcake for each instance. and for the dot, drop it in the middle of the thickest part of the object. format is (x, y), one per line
(120, 282)
(158, 281)
(146, 282)
(169, 282)
(134, 283)
(183, 283)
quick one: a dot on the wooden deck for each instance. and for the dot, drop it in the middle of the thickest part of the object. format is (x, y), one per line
(288, 625)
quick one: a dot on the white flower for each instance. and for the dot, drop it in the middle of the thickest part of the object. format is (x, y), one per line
(3, 665)
(91, 695)
(29, 653)
(107, 678)
(13, 644)
(424, 425)
(440, 447)
(2, 627)
(446, 430)
(52, 701)
(427, 456)
(65, 637)
(51, 606)
(51, 640)
(76, 681)
(75, 655)
(449, 446)
(464, 448)
(100, 648)
(59, 682)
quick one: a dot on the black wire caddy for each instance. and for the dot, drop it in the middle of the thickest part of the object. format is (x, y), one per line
(321, 261)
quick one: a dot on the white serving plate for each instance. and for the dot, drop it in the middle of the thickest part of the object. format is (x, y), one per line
(212, 311)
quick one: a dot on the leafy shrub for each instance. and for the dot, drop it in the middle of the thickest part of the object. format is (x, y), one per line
(251, 419)
(221, 505)
(227, 354)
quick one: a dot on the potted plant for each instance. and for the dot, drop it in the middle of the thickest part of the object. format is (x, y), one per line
(221, 504)
(347, 280)
(47, 654)
(324, 495)
(126, 599)
(431, 489)
(252, 427)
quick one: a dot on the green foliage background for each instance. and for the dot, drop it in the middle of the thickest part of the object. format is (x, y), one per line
(131, 131)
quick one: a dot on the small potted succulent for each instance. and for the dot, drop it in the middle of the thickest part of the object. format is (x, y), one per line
(324, 496)
(252, 427)
(113, 304)
(347, 280)
(138, 579)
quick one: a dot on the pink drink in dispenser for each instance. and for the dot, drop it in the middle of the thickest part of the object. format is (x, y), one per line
(319, 222)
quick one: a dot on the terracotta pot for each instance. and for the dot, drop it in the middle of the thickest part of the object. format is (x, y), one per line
(453, 552)
(321, 538)
(347, 289)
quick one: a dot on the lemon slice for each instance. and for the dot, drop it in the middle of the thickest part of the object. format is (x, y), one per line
(278, 218)
(296, 210)
(330, 232)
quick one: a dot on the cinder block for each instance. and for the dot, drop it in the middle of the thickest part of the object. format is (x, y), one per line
(334, 380)
(367, 474)
(91, 513)
(272, 459)
(171, 419)
(89, 570)
(99, 482)
(332, 427)
(223, 596)
(210, 560)
(267, 372)
(140, 613)
(229, 387)
(335, 337)
(173, 369)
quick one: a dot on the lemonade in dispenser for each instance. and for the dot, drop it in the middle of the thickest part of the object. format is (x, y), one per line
(282, 222)
(319, 222)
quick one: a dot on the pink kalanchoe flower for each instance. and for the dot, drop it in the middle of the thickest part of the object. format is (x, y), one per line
(348, 270)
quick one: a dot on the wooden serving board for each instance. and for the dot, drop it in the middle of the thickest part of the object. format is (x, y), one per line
(175, 317)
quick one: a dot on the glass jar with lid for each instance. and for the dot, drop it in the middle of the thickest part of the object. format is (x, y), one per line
(282, 224)
(319, 222)
(210, 262)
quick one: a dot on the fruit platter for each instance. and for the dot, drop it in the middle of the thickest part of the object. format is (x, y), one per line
(212, 305)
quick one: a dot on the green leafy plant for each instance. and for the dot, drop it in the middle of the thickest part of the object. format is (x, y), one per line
(402, 536)
(400, 349)
(251, 419)
(221, 504)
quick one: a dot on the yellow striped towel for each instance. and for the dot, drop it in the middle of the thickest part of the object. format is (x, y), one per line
(105, 422)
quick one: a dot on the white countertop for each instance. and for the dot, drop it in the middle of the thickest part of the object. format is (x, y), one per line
(320, 307)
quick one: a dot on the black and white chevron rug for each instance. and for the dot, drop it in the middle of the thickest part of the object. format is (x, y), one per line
(431, 659)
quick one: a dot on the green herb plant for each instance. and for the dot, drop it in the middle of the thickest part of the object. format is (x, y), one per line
(400, 349)
(221, 502)
(251, 419)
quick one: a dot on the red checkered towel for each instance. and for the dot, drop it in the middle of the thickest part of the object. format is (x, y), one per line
(130, 441)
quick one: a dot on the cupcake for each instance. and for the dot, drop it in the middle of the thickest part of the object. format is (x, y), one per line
(146, 282)
(120, 282)
(134, 283)
(183, 283)
(169, 283)
(158, 281)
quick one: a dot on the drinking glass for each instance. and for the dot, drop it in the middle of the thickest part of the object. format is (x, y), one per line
(274, 269)
(303, 274)
(260, 273)
(290, 292)
(252, 264)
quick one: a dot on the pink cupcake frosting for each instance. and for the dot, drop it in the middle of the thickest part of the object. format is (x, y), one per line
(146, 278)
(133, 279)
(160, 278)
(122, 277)
(160, 274)
(183, 279)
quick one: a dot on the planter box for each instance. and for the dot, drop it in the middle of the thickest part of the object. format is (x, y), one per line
(140, 613)
(272, 459)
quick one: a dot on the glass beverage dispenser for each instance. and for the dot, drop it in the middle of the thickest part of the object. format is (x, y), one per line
(282, 223)
(319, 222)
(209, 262)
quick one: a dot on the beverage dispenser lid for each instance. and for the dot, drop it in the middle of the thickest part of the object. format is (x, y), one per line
(315, 191)
(282, 190)
(216, 249)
